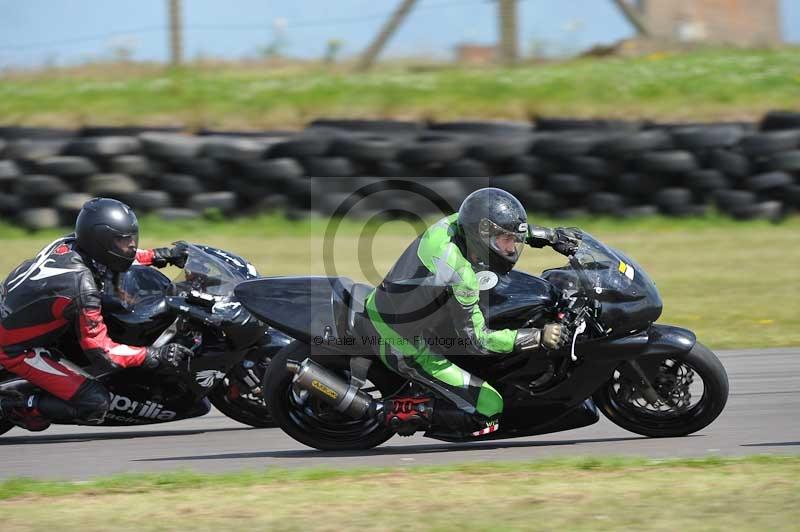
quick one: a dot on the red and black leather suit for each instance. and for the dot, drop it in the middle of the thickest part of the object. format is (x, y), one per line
(58, 292)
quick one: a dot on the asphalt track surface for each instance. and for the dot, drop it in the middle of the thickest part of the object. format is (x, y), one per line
(762, 417)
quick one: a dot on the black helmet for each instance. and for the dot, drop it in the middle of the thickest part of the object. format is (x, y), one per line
(487, 215)
(108, 232)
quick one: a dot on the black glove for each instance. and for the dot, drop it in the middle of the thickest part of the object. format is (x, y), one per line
(552, 336)
(174, 256)
(566, 240)
(170, 355)
(539, 237)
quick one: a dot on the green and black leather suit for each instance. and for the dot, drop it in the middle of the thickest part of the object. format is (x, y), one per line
(429, 298)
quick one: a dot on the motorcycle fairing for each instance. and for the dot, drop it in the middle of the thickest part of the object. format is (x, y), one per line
(565, 405)
(302, 307)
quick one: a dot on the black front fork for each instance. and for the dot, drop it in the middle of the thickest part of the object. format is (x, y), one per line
(643, 384)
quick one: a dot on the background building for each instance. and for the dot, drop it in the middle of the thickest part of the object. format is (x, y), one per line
(743, 22)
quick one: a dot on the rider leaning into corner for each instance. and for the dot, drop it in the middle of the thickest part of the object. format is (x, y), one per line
(434, 287)
(58, 292)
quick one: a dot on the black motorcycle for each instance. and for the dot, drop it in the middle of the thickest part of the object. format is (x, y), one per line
(231, 348)
(652, 379)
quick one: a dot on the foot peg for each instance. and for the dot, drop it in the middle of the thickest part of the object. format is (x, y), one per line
(406, 415)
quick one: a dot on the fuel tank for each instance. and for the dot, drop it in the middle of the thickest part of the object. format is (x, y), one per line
(302, 307)
(516, 298)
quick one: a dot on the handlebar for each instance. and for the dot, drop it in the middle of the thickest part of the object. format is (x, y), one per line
(580, 316)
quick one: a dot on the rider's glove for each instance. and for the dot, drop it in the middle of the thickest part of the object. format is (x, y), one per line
(552, 336)
(539, 237)
(170, 355)
(174, 256)
(565, 240)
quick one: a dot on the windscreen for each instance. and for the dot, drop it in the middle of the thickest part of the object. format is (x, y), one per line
(210, 272)
(609, 273)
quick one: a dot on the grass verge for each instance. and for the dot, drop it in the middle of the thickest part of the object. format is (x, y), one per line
(702, 85)
(753, 493)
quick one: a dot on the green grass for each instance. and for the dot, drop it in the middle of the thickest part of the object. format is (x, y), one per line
(753, 493)
(733, 283)
(700, 85)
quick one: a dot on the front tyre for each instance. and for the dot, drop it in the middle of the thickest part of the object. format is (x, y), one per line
(239, 396)
(315, 423)
(693, 388)
(241, 405)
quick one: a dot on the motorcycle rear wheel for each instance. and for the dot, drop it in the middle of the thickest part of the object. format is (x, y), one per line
(629, 411)
(316, 424)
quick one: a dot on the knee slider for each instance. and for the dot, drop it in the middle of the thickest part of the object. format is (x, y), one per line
(92, 401)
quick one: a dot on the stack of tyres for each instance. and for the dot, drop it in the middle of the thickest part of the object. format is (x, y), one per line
(560, 167)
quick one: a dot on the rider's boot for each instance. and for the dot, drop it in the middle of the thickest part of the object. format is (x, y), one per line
(406, 415)
(449, 421)
(22, 412)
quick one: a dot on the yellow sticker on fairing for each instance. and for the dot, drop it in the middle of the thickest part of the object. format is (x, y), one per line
(627, 270)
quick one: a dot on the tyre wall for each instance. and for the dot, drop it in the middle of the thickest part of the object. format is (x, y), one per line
(558, 167)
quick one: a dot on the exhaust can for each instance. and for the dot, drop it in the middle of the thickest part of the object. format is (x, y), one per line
(329, 387)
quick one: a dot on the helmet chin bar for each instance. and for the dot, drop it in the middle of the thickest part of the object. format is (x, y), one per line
(116, 258)
(121, 243)
(500, 261)
(127, 260)
(500, 265)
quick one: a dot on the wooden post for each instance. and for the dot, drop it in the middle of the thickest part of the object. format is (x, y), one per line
(634, 16)
(175, 34)
(391, 25)
(507, 11)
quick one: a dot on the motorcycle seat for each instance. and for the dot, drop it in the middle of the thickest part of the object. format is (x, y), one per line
(358, 297)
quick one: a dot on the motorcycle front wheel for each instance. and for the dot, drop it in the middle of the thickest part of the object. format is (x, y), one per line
(692, 389)
(241, 405)
(315, 423)
(239, 395)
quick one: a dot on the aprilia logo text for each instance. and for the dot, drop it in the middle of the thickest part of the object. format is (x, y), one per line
(149, 409)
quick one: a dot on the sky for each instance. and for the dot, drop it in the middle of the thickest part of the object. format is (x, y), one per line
(40, 32)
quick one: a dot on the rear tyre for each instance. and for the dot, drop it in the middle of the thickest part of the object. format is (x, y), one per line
(624, 406)
(316, 424)
(5, 426)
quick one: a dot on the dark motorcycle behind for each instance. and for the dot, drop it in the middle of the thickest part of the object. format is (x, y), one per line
(648, 378)
(231, 348)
